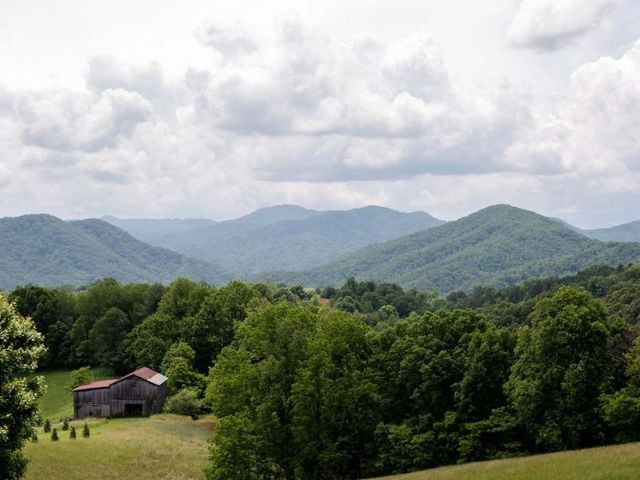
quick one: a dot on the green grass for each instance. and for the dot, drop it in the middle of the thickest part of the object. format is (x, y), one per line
(57, 402)
(618, 462)
(156, 448)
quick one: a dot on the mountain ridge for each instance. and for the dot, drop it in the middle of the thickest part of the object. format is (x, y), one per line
(43, 249)
(497, 246)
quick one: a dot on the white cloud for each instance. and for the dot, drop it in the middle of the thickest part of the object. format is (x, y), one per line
(297, 116)
(553, 24)
(66, 121)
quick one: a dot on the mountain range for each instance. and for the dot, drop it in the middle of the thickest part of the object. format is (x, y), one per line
(48, 251)
(284, 237)
(497, 246)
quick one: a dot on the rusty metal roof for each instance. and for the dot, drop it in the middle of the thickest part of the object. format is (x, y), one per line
(144, 373)
(92, 385)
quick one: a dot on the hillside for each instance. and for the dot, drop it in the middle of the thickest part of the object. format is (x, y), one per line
(289, 237)
(497, 246)
(45, 250)
(619, 462)
(628, 232)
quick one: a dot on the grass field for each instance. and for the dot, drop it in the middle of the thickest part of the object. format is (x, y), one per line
(619, 462)
(57, 401)
(161, 447)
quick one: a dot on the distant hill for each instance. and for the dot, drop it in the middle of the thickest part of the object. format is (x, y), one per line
(148, 229)
(288, 237)
(628, 232)
(45, 250)
(497, 246)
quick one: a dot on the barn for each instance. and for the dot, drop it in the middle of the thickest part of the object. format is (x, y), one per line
(139, 393)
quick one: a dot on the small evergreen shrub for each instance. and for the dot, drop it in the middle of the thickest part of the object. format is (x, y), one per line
(47, 426)
(54, 435)
(85, 431)
(72, 433)
(65, 425)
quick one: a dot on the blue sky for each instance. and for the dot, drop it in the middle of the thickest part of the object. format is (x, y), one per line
(213, 109)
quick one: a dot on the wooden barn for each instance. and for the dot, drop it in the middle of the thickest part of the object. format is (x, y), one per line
(139, 393)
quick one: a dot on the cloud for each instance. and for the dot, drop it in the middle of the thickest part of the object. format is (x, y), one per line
(67, 121)
(302, 118)
(553, 24)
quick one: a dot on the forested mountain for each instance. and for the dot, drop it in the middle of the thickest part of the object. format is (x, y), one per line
(497, 246)
(628, 232)
(288, 237)
(45, 250)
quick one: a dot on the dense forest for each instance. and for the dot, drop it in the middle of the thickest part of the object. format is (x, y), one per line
(368, 379)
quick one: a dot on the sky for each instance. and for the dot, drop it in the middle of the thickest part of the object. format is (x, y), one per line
(214, 109)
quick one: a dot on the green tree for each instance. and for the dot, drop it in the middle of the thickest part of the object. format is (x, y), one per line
(185, 402)
(47, 426)
(21, 347)
(65, 425)
(106, 337)
(54, 435)
(72, 433)
(561, 370)
(81, 376)
(178, 367)
(86, 433)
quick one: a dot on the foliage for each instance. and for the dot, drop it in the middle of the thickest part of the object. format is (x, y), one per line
(86, 433)
(81, 376)
(72, 433)
(47, 426)
(561, 371)
(185, 402)
(54, 435)
(21, 347)
(65, 425)
(178, 367)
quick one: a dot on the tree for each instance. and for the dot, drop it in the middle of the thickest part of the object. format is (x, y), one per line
(47, 426)
(178, 366)
(54, 435)
(622, 409)
(81, 376)
(86, 433)
(106, 337)
(185, 402)
(21, 347)
(561, 370)
(72, 433)
(65, 425)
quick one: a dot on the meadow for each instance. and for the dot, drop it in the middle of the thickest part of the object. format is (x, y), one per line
(617, 462)
(160, 447)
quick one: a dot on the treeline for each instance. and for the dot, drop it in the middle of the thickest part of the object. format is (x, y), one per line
(382, 380)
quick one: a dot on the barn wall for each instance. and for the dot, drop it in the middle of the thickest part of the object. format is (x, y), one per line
(112, 401)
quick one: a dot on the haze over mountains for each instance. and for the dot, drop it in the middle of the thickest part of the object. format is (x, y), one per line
(499, 245)
(284, 237)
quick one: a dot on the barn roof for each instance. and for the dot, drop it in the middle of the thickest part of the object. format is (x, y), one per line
(144, 373)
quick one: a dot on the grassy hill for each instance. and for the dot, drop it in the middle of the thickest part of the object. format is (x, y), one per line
(45, 250)
(618, 462)
(159, 447)
(288, 237)
(162, 447)
(497, 246)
